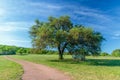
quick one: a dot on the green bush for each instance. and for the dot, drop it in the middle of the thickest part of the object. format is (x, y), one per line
(51, 52)
(116, 53)
(38, 51)
(104, 54)
(22, 51)
(43, 52)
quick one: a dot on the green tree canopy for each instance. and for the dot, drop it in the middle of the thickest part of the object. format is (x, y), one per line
(60, 33)
(116, 53)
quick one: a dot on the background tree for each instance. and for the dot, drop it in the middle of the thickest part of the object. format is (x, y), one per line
(60, 33)
(11, 50)
(116, 53)
(22, 51)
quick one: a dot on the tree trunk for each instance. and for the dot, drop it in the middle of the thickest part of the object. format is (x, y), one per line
(82, 57)
(61, 50)
(61, 56)
(60, 53)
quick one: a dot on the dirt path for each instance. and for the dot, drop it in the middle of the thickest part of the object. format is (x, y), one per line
(34, 71)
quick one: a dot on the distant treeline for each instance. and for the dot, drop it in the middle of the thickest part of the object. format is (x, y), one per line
(11, 50)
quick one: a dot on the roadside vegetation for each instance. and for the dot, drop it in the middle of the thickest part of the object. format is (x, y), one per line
(10, 70)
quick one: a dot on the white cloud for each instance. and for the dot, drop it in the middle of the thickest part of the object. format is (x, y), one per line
(93, 13)
(116, 35)
(43, 9)
(33, 8)
(97, 27)
(45, 5)
(11, 28)
(14, 26)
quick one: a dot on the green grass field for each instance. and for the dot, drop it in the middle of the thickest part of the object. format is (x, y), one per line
(94, 68)
(9, 70)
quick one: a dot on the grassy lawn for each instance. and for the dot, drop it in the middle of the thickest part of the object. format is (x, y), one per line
(9, 70)
(94, 68)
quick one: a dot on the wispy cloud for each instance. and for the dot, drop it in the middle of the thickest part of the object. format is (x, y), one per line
(92, 13)
(11, 28)
(45, 5)
(14, 26)
(45, 9)
(33, 8)
(116, 35)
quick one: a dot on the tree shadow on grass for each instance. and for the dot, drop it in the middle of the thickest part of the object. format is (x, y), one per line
(105, 62)
(94, 62)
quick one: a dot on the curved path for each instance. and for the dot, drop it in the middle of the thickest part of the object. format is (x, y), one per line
(34, 71)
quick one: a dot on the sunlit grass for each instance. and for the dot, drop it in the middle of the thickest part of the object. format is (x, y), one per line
(94, 68)
(9, 70)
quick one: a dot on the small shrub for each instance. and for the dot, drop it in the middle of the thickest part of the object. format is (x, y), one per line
(104, 54)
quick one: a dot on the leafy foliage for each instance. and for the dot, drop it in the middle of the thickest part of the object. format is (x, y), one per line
(60, 33)
(116, 53)
(23, 51)
(11, 50)
(104, 54)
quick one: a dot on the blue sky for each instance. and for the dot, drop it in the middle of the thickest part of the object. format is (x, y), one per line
(17, 16)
